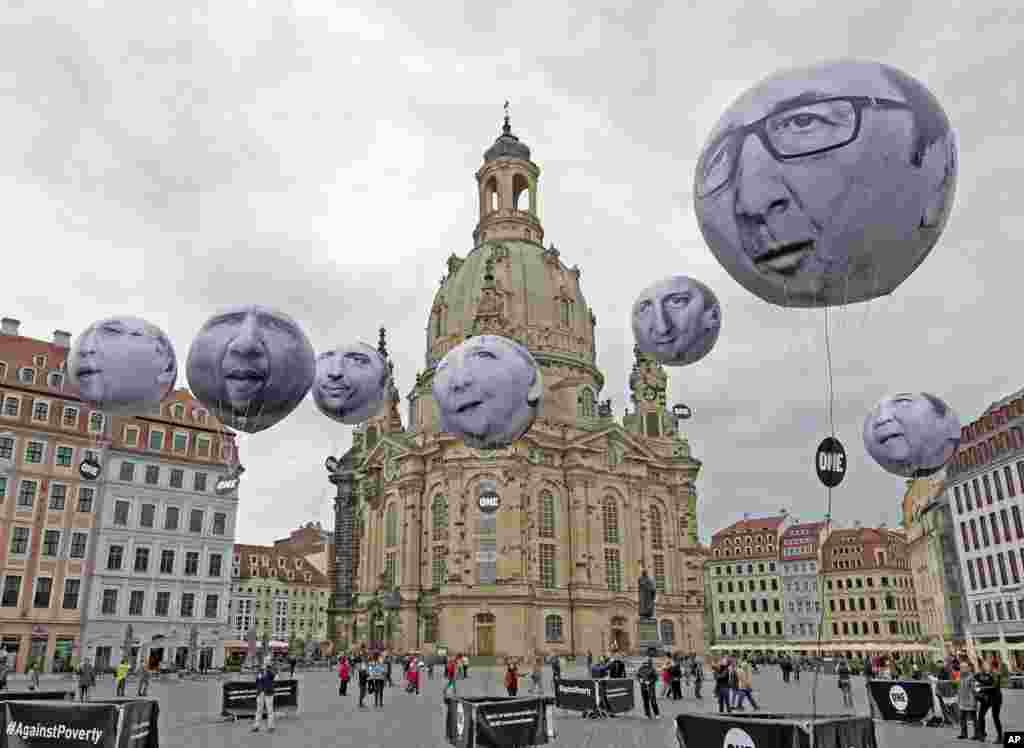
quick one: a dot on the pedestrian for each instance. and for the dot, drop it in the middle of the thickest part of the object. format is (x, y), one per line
(344, 674)
(465, 666)
(722, 687)
(967, 700)
(666, 680)
(33, 677)
(987, 684)
(377, 676)
(796, 669)
(676, 674)
(590, 660)
(388, 661)
(556, 670)
(414, 677)
(648, 678)
(698, 679)
(536, 676)
(843, 671)
(144, 676)
(511, 679)
(86, 679)
(291, 664)
(264, 697)
(364, 681)
(121, 677)
(745, 686)
(450, 673)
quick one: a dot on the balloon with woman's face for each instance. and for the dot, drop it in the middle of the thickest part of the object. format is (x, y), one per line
(251, 366)
(123, 365)
(912, 435)
(827, 184)
(350, 383)
(677, 320)
(489, 390)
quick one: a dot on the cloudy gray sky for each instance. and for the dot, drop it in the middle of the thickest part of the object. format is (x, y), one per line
(321, 161)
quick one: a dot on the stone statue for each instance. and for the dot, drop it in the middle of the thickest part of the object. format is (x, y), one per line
(647, 595)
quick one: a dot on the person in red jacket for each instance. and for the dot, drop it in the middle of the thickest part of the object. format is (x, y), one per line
(449, 672)
(344, 674)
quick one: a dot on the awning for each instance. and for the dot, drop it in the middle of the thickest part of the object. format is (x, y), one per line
(235, 644)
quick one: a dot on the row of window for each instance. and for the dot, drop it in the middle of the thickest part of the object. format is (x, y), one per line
(987, 451)
(962, 493)
(776, 606)
(860, 628)
(728, 570)
(35, 452)
(858, 583)
(41, 596)
(42, 410)
(993, 522)
(141, 565)
(803, 607)
(161, 606)
(21, 543)
(803, 629)
(805, 585)
(171, 519)
(28, 491)
(994, 611)
(750, 586)
(743, 629)
(27, 374)
(857, 603)
(1003, 561)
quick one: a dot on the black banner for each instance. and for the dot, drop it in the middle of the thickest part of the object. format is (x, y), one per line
(37, 696)
(486, 722)
(618, 695)
(68, 724)
(238, 698)
(576, 695)
(139, 724)
(774, 731)
(904, 700)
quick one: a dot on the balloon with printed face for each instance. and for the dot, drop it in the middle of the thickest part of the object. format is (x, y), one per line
(251, 366)
(350, 383)
(912, 435)
(828, 184)
(123, 365)
(489, 390)
(676, 320)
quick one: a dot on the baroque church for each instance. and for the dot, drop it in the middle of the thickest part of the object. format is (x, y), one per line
(585, 502)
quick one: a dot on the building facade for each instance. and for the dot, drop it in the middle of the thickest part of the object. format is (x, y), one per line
(931, 543)
(164, 539)
(277, 593)
(870, 603)
(799, 561)
(986, 481)
(745, 579)
(47, 513)
(585, 501)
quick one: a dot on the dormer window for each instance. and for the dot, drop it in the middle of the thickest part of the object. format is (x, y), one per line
(39, 361)
(282, 563)
(179, 411)
(55, 380)
(26, 375)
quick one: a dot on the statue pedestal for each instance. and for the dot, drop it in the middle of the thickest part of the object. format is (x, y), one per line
(648, 637)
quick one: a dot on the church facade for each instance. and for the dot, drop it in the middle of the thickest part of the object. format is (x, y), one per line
(584, 502)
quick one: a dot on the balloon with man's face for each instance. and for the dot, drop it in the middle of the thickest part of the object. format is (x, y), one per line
(828, 184)
(489, 391)
(350, 383)
(912, 435)
(676, 320)
(123, 365)
(251, 366)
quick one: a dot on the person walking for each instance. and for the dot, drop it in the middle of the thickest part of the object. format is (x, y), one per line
(666, 679)
(745, 686)
(990, 698)
(843, 671)
(388, 663)
(121, 677)
(511, 679)
(291, 665)
(264, 696)
(796, 669)
(967, 699)
(698, 679)
(86, 679)
(344, 674)
(33, 677)
(144, 676)
(556, 670)
(722, 687)
(537, 675)
(377, 676)
(648, 678)
(364, 680)
(676, 674)
(450, 673)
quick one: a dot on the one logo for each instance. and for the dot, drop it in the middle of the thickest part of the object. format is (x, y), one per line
(89, 469)
(487, 497)
(830, 462)
(228, 483)
(460, 719)
(737, 738)
(898, 697)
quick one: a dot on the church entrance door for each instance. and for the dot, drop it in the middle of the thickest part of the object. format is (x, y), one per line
(485, 627)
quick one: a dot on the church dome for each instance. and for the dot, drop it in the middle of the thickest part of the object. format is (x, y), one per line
(507, 146)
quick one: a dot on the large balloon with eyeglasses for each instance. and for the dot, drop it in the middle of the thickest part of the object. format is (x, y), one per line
(251, 366)
(828, 184)
(488, 390)
(123, 365)
(912, 434)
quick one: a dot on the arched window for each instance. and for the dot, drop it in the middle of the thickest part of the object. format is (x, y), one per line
(668, 631)
(491, 195)
(547, 515)
(430, 629)
(565, 309)
(439, 518)
(371, 437)
(586, 403)
(611, 520)
(553, 628)
(657, 534)
(391, 526)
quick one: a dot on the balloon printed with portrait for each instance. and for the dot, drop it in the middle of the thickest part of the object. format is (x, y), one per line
(251, 366)
(827, 185)
(677, 320)
(350, 383)
(912, 435)
(123, 365)
(489, 391)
